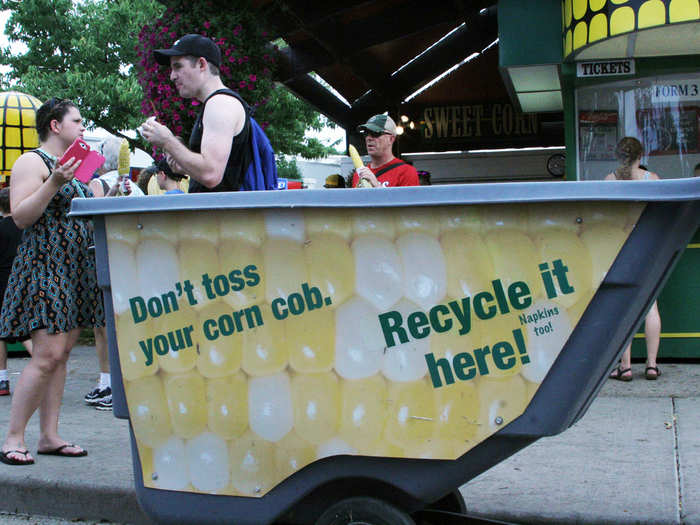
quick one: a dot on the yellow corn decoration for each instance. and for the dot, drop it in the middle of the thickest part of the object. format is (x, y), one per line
(357, 162)
(124, 158)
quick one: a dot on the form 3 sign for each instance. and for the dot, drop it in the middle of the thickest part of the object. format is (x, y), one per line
(676, 91)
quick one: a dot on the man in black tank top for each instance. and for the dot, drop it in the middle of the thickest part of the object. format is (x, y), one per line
(219, 148)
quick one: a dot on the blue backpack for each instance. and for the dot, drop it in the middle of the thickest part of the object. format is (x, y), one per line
(262, 172)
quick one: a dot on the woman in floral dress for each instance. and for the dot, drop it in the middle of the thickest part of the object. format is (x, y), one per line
(52, 292)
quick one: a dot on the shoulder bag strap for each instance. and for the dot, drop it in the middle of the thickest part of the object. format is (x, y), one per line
(389, 168)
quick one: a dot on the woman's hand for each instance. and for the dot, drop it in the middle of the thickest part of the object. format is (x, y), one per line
(64, 173)
(33, 186)
(122, 185)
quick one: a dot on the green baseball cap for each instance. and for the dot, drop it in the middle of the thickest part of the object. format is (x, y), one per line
(379, 124)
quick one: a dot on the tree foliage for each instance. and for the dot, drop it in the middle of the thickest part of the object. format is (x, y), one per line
(79, 50)
(248, 67)
(288, 169)
(86, 50)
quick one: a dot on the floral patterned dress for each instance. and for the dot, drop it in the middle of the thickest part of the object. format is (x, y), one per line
(53, 284)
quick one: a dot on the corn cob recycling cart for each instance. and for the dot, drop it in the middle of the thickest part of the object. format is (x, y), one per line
(309, 356)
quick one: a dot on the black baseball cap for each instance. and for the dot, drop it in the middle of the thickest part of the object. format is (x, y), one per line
(191, 45)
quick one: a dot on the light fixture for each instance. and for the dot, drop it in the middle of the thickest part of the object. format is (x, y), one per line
(536, 87)
(412, 125)
(404, 118)
(399, 130)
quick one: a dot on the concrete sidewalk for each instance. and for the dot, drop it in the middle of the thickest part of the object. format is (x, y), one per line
(633, 458)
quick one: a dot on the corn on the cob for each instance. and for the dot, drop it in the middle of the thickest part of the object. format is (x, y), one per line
(124, 161)
(355, 156)
(357, 162)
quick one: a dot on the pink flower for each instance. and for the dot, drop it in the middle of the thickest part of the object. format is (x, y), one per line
(195, 102)
(207, 24)
(242, 84)
(231, 59)
(253, 78)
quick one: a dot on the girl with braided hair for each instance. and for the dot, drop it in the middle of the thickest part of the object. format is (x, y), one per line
(629, 152)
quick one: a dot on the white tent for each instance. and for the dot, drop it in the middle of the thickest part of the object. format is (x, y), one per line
(139, 158)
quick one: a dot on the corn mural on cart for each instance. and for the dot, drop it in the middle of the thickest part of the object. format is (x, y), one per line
(281, 354)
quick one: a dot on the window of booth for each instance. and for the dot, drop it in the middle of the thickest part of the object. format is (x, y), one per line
(663, 112)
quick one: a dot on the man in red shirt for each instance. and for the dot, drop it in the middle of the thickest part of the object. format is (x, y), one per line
(384, 170)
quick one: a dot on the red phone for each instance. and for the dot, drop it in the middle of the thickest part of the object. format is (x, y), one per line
(91, 160)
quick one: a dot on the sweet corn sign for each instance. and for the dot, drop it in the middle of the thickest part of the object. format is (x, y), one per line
(253, 343)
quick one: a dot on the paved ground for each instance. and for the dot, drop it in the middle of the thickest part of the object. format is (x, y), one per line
(634, 458)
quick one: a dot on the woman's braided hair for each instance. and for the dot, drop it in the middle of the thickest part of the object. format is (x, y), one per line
(628, 150)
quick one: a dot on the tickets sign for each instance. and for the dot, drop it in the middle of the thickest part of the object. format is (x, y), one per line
(605, 68)
(254, 343)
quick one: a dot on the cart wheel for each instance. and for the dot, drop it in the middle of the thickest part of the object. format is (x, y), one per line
(452, 502)
(364, 511)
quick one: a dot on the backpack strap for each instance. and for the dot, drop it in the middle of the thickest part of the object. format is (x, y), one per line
(389, 168)
(228, 91)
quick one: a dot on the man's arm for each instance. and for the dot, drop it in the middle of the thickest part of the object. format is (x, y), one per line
(223, 119)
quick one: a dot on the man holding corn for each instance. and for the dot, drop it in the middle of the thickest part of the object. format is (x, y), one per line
(219, 148)
(384, 170)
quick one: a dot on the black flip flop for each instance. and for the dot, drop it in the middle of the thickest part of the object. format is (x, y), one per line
(619, 375)
(650, 377)
(59, 451)
(10, 461)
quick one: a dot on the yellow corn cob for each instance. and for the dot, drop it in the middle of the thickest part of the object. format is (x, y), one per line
(355, 156)
(124, 158)
(357, 162)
